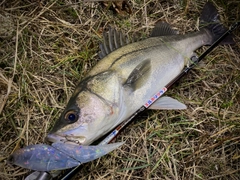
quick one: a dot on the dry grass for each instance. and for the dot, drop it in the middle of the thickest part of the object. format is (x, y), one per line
(47, 47)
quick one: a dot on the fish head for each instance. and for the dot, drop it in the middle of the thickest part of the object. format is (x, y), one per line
(89, 114)
(81, 118)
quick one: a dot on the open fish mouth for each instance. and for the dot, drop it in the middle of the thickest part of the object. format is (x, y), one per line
(53, 138)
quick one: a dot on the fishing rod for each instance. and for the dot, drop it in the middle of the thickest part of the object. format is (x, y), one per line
(194, 59)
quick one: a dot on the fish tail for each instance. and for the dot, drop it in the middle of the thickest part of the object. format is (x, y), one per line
(210, 20)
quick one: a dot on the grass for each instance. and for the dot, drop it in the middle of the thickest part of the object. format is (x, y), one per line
(48, 47)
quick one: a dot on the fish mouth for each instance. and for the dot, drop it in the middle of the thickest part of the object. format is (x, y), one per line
(53, 138)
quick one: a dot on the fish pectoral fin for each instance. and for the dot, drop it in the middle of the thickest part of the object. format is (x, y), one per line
(139, 75)
(85, 154)
(163, 29)
(167, 103)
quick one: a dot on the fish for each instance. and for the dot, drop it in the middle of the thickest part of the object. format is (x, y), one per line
(128, 74)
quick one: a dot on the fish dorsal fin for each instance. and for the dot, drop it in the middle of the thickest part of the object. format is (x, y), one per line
(139, 75)
(167, 103)
(112, 40)
(163, 29)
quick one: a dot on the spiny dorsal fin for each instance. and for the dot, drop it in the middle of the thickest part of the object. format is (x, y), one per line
(112, 40)
(163, 29)
(139, 75)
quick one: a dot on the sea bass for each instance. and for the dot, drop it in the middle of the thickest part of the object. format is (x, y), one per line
(128, 75)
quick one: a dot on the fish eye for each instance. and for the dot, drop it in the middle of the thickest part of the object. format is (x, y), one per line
(71, 116)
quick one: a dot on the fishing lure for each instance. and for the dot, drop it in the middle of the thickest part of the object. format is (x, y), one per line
(58, 156)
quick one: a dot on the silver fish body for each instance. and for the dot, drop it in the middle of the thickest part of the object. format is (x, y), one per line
(163, 58)
(127, 77)
(108, 95)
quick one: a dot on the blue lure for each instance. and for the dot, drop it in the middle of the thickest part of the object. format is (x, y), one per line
(58, 156)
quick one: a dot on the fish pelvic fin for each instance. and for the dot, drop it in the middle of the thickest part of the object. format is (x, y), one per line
(167, 103)
(210, 20)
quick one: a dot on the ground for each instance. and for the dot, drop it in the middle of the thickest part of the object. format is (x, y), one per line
(47, 47)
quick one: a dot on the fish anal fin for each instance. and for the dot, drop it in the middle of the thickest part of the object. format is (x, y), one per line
(167, 103)
(163, 29)
(139, 75)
